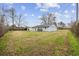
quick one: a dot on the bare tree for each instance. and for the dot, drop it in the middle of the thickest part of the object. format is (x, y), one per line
(44, 19)
(12, 14)
(49, 19)
(61, 24)
(20, 16)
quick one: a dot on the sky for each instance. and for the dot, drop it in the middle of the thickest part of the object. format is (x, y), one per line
(65, 12)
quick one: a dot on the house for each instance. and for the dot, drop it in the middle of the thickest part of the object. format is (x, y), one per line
(48, 28)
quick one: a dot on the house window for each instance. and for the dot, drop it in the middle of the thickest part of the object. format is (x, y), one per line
(45, 27)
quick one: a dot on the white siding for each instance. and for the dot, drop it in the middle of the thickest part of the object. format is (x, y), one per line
(51, 28)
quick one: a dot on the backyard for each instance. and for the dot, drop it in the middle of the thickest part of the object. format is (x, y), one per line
(61, 42)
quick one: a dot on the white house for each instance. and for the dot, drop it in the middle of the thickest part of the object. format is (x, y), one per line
(48, 28)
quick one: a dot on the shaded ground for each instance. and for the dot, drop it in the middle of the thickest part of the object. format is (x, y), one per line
(61, 42)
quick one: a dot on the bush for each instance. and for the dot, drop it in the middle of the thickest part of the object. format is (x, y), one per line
(75, 28)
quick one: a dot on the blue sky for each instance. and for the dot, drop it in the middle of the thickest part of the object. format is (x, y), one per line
(33, 11)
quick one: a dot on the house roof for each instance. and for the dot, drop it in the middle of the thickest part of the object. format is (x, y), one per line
(27, 27)
(41, 26)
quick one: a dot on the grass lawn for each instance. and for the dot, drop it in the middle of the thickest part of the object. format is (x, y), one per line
(61, 42)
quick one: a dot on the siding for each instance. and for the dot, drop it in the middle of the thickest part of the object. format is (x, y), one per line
(48, 29)
(51, 28)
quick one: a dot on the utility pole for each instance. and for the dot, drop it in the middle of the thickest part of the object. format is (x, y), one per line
(76, 12)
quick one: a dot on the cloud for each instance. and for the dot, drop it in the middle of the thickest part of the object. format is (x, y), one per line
(32, 15)
(44, 10)
(67, 16)
(9, 5)
(38, 5)
(44, 7)
(25, 15)
(23, 7)
(61, 17)
(53, 5)
(66, 11)
(58, 14)
(73, 11)
(39, 16)
(73, 4)
(47, 5)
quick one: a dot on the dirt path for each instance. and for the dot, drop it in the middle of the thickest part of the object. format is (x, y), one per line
(66, 44)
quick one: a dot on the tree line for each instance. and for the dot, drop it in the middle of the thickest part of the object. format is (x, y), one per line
(8, 17)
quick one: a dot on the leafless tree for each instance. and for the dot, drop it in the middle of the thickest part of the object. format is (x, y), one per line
(49, 19)
(44, 19)
(20, 16)
(61, 24)
(12, 14)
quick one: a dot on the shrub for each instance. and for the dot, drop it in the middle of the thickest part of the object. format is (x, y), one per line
(75, 28)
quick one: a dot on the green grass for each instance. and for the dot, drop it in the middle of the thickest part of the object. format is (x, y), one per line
(61, 42)
(74, 44)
